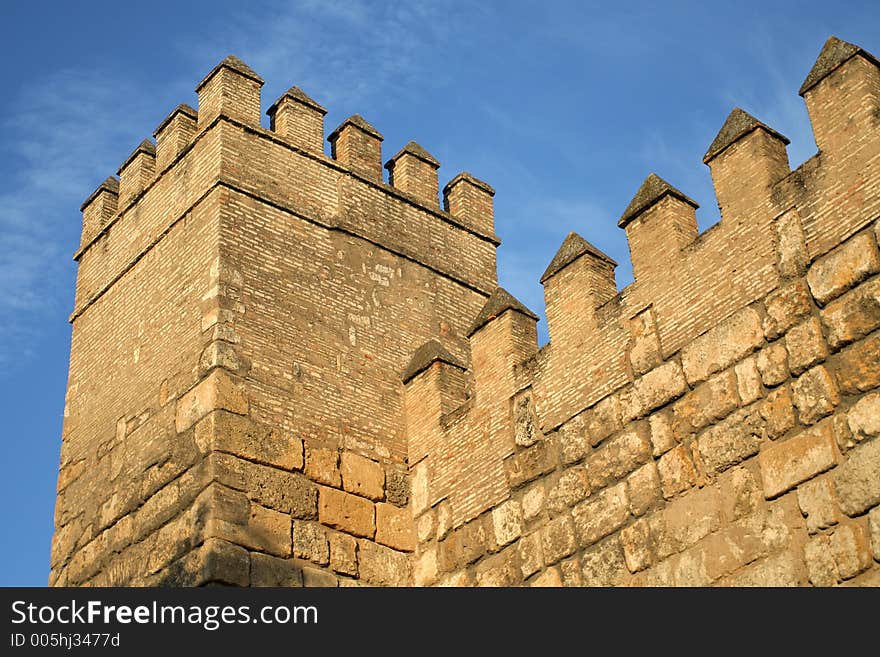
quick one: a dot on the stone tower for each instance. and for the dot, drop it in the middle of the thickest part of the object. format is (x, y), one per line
(285, 371)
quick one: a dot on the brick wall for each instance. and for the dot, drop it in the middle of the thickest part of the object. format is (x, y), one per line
(285, 371)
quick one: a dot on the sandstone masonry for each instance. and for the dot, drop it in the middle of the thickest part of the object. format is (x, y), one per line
(286, 372)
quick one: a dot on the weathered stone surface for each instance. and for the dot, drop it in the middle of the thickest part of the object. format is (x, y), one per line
(317, 578)
(419, 491)
(662, 438)
(499, 569)
(857, 480)
(602, 420)
(444, 519)
(310, 542)
(654, 389)
(397, 487)
(735, 438)
(685, 521)
(322, 465)
(217, 391)
(343, 554)
(821, 568)
(619, 457)
(786, 464)
(530, 463)
(643, 488)
(604, 565)
(216, 562)
(531, 554)
(709, 402)
(772, 363)
(722, 346)
(777, 412)
(574, 443)
(346, 512)
(288, 492)
(851, 549)
(777, 570)
(571, 572)
(676, 471)
(394, 527)
(425, 568)
(507, 523)
(525, 425)
(572, 486)
(272, 571)
(864, 418)
(246, 439)
(382, 566)
(549, 578)
(426, 527)
(785, 307)
(557, 539)
(853, 315)
(637, 547)
(533, 501)
(857, 367)
(748, 380)
(229, 515)
(874, 531)
(463, 546)
(740, 493)
(843, 268)
(806, 346)
(362, 476)
(815, 394)
(817, 503)
(601, 514)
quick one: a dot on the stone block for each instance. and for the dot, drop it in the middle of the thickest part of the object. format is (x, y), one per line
(288, 492)
(653, 390)
(507, 523)
(857, 480)
(662, 438)
(619, 456)
(570, 488)
(322, 465)
(343, 554)
(574, 443)
(242, 437)
(709, 402)
(851, 548)
(815, 394)
(637, 545)
(601, 514)
(785, 307)
(530, 463)
(735, 438)
(381, 566)
(272, 571)
(643, 488)
(685, 521)
(722, 346)
(463, 546)
(777, 412)
(345, 512)
(318, 578)
(864, 418)
(818, 504)
(310, 542)
(533, 501)
(362, 476)
(604, 564)
(602, 420)
(499, 570)
(557, 539)
(843, 268)
(852, 316)
(549, 578)
(874, 531)
(740, 493)
(748, 380)
(571, 572)
(786, 464)
(394, 527)
(821, 568)
(677, 472)
(805, 345)
(531, 554)
(425, 567)
(774, 571)
(857, 367)
(217, 391)
(396, 487)
(772, 363)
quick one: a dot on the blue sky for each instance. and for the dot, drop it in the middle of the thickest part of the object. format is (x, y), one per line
(564, 107)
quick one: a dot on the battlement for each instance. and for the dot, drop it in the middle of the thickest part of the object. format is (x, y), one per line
(286, 371)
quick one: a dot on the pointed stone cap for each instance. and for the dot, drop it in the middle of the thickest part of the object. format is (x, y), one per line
(300, 96)
(652, 190)
(835, 53)
(473, 180)
(416, 151)
(500, 301)
(235, 64)
(111, 185)
(739, 123)
(573, 247)
(146, 146)
(184, 109)
(428, 353)
(358, 122)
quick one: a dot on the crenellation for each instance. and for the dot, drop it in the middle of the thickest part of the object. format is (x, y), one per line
(286, 372)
